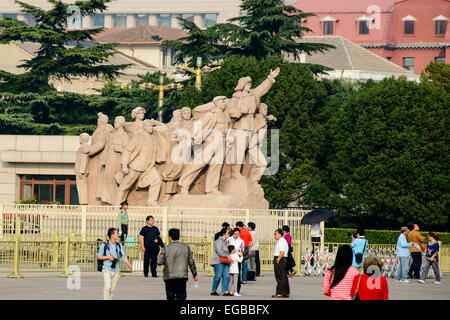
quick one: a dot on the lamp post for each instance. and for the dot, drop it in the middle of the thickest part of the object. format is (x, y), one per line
(199, 72)
(161, 88)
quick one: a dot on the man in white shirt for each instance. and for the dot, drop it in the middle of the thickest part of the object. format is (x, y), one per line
(280, 260)
(255, 248)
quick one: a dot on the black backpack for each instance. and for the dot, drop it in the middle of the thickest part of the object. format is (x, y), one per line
(100, 262)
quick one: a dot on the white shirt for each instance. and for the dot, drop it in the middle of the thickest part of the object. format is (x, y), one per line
(315, 230)
(234, 267)
(255, 240)
(238, 243)
(281, 245)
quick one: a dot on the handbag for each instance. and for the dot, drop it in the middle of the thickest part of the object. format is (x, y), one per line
(328, 293)
(359, 256)
(356, 296)
(245, 256)
(225, 260)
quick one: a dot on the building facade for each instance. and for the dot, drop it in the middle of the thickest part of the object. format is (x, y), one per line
(132, 13)
(410, 33)
(38, 166)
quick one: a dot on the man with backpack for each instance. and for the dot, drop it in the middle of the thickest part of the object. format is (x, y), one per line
(359, 246)
(108, 256)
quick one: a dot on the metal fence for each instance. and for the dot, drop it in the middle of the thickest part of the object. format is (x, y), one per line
(42, 222)
(18, 257)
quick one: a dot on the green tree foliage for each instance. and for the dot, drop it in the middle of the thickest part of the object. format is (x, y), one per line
(61, 53)
(266, 27)
(438, 74)
(388, 165)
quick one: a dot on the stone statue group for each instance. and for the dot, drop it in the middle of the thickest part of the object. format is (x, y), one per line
(209, 152)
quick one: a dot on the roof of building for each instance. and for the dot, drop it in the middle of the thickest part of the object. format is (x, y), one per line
(349, 6)
(348, 56)
(140, 35)
(409, 45)
(119, 58)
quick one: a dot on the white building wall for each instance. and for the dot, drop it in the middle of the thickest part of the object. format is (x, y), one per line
(28, 154)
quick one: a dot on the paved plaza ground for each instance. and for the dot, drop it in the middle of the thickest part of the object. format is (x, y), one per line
(48, 286)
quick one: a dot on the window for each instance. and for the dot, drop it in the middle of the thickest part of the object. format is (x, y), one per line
(440, 27)
(188, 16)
(164, 20)
(49, 188)
(409, 27)
(98, 21)
(209, 19)
(164, 57)
(363, 27)
(120, 21)
(142, 19)
(328, 27)
(439, 59)
(408, 64)
(10, 15)
(30, 20)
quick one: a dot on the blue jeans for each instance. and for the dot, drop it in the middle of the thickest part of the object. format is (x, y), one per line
(402, 270)
(221, 271)
(244, 267)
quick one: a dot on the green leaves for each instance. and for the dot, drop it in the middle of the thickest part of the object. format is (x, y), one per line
(62, 53)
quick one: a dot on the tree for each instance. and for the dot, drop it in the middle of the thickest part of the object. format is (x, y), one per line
(266, 27)
(438, 74)
(62, 53)
(388, 165)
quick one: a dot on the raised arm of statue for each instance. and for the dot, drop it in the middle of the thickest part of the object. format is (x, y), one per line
(265, 86)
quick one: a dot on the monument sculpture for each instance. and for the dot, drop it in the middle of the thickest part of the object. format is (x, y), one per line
(208, 157)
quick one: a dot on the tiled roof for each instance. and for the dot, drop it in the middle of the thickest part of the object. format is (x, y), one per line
(349, 56)
(409, 45)
(119, 58)
(140, 34)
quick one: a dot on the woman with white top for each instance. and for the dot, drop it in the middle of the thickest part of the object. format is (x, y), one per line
(280, 261)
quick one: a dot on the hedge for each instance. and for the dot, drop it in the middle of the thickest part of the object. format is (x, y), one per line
(375, 236)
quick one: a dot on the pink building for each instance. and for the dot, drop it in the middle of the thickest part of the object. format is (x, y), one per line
(410, 33)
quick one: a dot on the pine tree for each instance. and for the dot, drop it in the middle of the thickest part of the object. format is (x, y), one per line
(265, 28)
(62, 53)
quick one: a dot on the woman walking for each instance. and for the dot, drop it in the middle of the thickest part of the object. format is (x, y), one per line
(431, 258)
(290, 260)
(221, 268)
(338, 280)
(371, 285)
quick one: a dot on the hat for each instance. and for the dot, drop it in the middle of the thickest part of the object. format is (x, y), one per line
(403, 229)
(125, 203)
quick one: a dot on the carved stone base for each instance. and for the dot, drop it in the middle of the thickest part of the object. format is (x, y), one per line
(236, 193)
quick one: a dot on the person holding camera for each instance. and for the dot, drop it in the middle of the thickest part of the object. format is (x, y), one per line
(110, 252)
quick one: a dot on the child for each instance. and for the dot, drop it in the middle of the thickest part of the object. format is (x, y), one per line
(432, 258)
(234, 269)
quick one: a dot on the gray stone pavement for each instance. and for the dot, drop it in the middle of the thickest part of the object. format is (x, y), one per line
(48, 286)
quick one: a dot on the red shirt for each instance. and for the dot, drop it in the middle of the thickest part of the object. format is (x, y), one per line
(371, 289)
(246, 236)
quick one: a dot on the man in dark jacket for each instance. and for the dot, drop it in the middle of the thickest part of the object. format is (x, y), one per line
(150, 243)
(176, 258)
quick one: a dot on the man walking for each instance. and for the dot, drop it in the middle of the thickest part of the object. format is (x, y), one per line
(280, 265)
(255, 247)
(416, 252)
(403, 255)
(110, 252)
(176, 258)
(150, 242)
(248, 241)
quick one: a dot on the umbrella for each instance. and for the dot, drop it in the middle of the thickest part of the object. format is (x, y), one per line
(317, 215)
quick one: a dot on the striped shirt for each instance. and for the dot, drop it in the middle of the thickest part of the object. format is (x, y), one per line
(342, 290)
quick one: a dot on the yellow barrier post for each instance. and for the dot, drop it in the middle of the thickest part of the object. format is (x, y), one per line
(65, 274)
(210, 253)
(55, 251)
(15, 273)
(298, 258)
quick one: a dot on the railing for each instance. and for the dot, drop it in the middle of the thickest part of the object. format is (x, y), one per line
(42, 222)
(17, 257)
